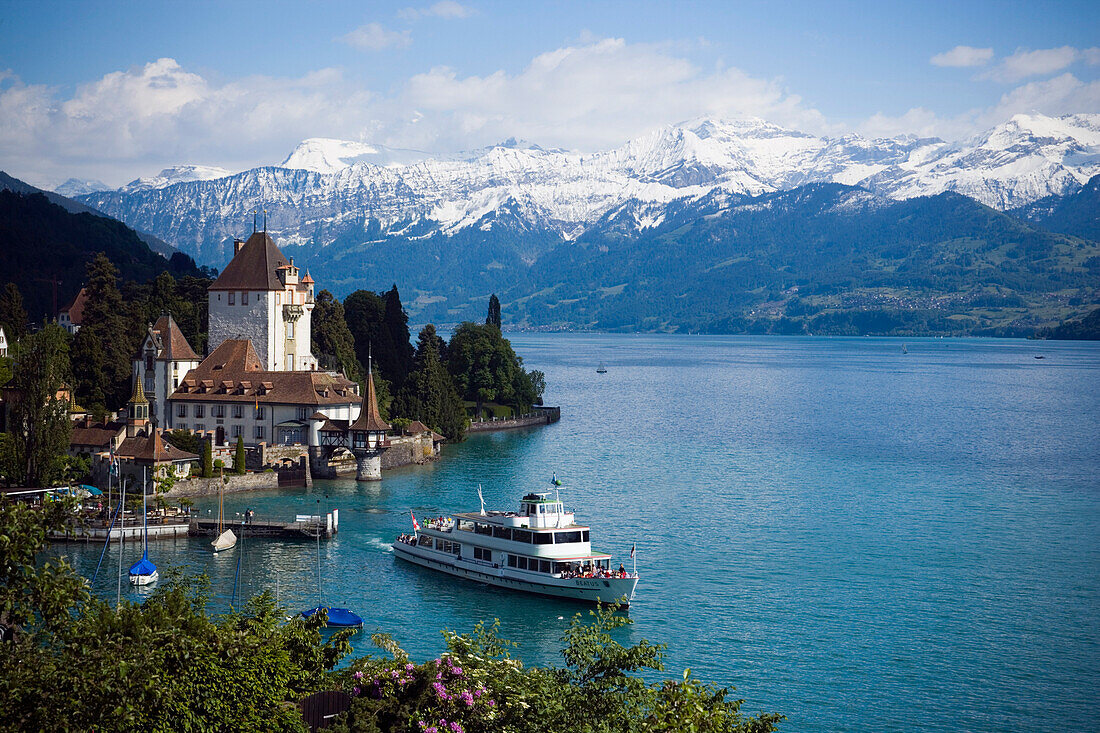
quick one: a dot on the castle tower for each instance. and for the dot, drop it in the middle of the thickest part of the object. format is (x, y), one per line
(261, 297)
(137, 412)
(368, 435)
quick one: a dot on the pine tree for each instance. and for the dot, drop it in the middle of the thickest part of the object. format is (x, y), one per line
(398, 361)
(493, 317)
(239, 457)
(332, 339)
(13, 316)
(429, 394)
(105, 343)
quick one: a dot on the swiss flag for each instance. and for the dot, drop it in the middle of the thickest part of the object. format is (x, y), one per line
(416, 526)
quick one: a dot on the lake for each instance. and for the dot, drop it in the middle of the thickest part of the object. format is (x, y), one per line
(854, 536)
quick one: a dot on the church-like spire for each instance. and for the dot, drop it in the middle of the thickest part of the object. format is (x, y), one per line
(370, 419)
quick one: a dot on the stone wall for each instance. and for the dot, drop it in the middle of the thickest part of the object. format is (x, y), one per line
(539, 416)
(408, 450)
(233, 483)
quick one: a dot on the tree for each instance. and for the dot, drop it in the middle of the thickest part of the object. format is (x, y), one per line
(13, 316)
(429, 394)
(207, 459)
(39, 414)
(106, 341)
(238, 457)
(486, 369)
(397, 361)
(332, 341)
(364, 311)
(493, 317)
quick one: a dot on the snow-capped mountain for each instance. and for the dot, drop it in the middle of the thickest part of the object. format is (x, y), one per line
(80, 186)
(177, 174)
(327, 190)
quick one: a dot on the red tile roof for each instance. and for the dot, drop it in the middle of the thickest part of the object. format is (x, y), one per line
(254, 267)
(95, 435)
(153, 448)
(369, 417)
(170, 342)
(236, 362)
(76, 308)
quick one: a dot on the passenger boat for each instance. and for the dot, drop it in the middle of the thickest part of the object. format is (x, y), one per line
(540, 549)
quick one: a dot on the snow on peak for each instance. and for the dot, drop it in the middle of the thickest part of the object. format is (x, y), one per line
(326, 155)
(178, 174)
(80, 186)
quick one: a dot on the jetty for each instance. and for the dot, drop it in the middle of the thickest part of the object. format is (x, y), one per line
(304, 526)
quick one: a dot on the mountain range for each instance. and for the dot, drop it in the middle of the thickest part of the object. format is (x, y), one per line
(486, 220)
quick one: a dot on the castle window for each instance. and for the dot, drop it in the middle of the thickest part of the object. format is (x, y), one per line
(290, 329)
(149, 360)
(236, 431)
(244, 298)
(181, 411)
(218, 411)
(232, 299)
(237, 411)
(260, 415)
(200, 411)
(258, 432)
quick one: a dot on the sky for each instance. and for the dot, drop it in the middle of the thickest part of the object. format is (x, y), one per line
(117, 90)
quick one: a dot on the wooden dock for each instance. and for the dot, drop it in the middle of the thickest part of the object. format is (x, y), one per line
(304, 526)
(160, 528)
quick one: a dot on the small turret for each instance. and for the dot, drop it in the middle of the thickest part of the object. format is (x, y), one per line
(137, 413)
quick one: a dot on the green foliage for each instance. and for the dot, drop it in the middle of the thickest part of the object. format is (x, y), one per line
(485, 368)
(379, 328)
(1082, 329)
(184, 299)
(38, 425)
(333, 343)
(185, 440)
(492, 318)
(239, 457)
(13, 316)
(429, 394)
(207, 459)
(105, 343)
(478, 687)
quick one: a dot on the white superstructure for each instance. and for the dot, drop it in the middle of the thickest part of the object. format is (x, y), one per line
(540, 549)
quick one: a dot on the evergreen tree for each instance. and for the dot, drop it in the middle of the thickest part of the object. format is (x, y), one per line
(106, 341)
(207, 459)
(39, 424)
(239, 457)
(13, 316)
(486, 369)
(493, 318)
(397, 360)
(363, 311)
(429, 394)
(332, 341)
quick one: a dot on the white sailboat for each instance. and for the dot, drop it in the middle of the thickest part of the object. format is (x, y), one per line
(225, 538)
(144, 572)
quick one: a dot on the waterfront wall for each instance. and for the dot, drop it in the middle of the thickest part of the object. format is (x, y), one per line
(538, 416)
(233, 483)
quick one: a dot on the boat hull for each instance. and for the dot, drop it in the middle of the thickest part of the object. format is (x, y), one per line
(144, 579)
(592, 590)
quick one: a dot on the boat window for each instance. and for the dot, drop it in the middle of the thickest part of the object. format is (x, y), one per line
(466, 525)
(544, 566)
(543, 538)
(481, 528)
(564, 537)
(560, 567)
(504, 533)
(521, 535)
(522, 561)
(425, 541)
(584, 535)
(511, 561)
(481, 553)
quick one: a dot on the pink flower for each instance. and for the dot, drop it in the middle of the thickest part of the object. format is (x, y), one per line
(457, 670)
(456, 727)
(355, 690)
(358, 675)
(409, 667)
(492, 703)
(477, 692)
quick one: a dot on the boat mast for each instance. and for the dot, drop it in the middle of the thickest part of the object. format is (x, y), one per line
(121, 535)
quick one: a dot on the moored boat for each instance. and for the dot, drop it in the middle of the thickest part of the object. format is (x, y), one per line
(540, 549)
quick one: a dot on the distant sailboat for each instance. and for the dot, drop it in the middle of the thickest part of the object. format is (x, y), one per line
(601, 369)
(904, 349)
(144, 572)
(225, 539)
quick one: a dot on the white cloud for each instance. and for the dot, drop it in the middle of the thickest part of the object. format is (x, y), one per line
(962, 56)
(1023, 64)
(441, 9)
(1092, 56)
(373, 37)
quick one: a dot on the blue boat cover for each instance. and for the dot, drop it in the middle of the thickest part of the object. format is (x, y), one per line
(143, 566)
(91, 490)
(339, 617)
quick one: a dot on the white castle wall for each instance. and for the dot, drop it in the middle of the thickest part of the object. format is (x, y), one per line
(255, 321)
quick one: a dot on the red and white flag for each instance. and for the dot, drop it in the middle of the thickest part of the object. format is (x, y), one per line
(416, 526)
(632, 552)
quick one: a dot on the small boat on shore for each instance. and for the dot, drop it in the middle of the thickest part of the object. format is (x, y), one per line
(539, 549)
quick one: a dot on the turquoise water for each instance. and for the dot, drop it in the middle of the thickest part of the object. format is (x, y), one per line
(853, 536)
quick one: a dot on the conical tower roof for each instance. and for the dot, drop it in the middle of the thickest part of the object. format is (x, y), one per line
(369, 416)
(138, 398)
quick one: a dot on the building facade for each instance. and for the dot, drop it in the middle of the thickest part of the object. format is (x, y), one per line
(161, 363)
(72, 315)
(261, 297)
(232, 393)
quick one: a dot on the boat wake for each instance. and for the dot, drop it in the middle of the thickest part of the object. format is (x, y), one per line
(380, 544)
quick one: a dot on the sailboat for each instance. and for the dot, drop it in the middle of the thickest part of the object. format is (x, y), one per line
(225, 538)
(338, 618)
(904, 349)
(144, 572)
(601, 369)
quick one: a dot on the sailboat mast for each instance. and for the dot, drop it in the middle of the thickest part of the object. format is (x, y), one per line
(144, 515)
(121, 534)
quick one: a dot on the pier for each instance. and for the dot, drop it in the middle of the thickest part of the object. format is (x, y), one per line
(304, 526)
